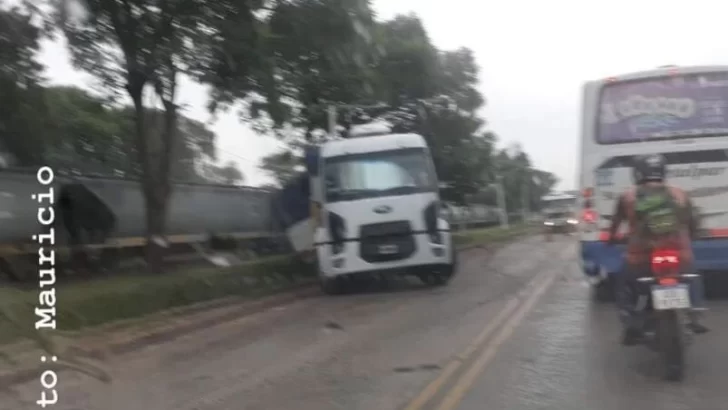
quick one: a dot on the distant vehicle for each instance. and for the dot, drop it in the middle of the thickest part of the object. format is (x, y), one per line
(679, 112)
(558, 212)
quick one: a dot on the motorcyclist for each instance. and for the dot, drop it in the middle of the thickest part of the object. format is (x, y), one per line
(649, 173)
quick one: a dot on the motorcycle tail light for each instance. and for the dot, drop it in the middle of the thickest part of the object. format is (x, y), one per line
(665, 262)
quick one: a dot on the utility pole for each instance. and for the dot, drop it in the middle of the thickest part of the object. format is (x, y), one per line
(332, 120)
(525, 197)
(502, 202)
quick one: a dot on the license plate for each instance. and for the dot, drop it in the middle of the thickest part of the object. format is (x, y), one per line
(388, 249)
(670, 297)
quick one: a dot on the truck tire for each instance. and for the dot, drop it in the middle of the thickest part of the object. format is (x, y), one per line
(437, 277)
(331, 286)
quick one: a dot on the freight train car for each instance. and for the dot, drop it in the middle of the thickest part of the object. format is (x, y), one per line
(108, 213)
(104, 212)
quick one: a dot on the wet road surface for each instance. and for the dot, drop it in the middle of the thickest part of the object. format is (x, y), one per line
(566, 355)
(514, 330)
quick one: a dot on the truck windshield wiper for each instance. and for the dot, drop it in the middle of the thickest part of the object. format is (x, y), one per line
(349, 194)
(400, 190)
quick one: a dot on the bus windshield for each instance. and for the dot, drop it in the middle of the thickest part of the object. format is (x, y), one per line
(669, 107)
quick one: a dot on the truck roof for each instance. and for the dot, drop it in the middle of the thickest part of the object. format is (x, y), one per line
(372, 144)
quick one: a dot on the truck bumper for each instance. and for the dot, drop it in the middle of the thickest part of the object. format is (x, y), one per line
(427, 256)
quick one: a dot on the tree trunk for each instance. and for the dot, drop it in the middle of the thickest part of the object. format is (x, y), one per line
(154, 200)
(156, 211)
(158, 191)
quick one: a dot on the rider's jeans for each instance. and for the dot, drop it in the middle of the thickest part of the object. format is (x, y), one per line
(627, 288)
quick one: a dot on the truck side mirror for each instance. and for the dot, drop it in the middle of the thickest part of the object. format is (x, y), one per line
(311, 159)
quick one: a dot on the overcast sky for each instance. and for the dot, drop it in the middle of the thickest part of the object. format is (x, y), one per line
(534, 56)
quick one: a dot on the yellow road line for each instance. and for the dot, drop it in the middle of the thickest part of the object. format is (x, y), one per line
(434, 386)
(466, 381)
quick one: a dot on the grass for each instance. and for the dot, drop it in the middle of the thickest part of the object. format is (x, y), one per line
(99, 301)
(491, 235)
(86, 304)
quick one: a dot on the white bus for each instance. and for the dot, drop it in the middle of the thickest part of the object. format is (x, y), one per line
(680, 112)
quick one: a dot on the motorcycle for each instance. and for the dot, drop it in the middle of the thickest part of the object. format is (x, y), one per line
(663, 309)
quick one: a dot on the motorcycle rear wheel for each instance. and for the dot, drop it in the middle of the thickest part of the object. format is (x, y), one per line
(671, 345)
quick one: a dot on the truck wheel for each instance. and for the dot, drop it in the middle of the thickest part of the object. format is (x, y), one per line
(331, 286)
(435, 278)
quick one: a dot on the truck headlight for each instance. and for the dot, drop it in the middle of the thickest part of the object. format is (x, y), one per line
(548, 223)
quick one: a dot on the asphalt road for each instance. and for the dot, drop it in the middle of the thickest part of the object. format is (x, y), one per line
(514, 330)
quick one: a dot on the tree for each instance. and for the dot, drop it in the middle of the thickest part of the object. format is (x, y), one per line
(227, 174)
(514, 165)
(283, 166)
(194, 145)
(434, 93)
(408, 68)
(83, 134)
(135, 45)
(20, 75)
(410, 84)
(321, 54)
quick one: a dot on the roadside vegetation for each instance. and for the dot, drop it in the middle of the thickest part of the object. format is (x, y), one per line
(279, 64)
(104, 300)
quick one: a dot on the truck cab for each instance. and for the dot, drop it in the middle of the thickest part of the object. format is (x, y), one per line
(378, 209)
(559, 214)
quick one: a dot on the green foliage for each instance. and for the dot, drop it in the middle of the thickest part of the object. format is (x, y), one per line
(514, 166)
(418, 88)
(227, 174)
(108, 299)
(492, 235)
(283, 166)
(75, 130)
(20, 74)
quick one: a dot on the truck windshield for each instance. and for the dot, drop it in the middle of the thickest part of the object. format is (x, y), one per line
(559, 203)
(376, 174)
(557, 215)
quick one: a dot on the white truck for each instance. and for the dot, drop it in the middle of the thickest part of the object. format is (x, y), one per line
(376, 209)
